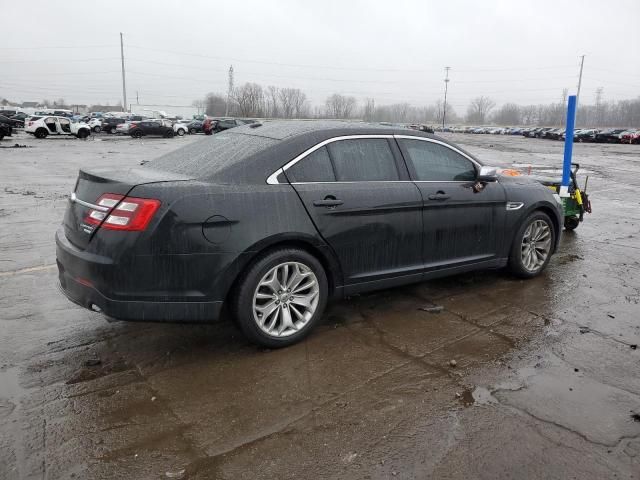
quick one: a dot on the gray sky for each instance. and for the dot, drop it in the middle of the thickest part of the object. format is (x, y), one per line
(393, 51)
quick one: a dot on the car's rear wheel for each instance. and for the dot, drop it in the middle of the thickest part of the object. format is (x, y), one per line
(281, 297)
(41, 133)
(97, 129)
(137, 134)
(181, 132)
(192, 131)
(169, 134)
(532, 246)
(112, 130)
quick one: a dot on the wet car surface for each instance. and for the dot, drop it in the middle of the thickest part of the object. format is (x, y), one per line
(475, 376)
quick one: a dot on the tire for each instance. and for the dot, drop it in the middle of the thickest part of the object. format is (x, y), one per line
(83, 133)
(1, 136)
(181, 132)
(208, 132)
(113, 130)
(169, 134)
(192, 131)
(287, 324)
(41, 133)
(137, 134)
(97, 129)
(525, 257)
(571, 223)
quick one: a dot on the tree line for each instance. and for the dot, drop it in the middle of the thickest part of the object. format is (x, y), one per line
(253, 100)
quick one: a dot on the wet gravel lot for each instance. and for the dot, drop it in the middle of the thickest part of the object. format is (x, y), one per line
(546, 382)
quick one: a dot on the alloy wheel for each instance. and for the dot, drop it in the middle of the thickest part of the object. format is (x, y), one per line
(536, 245)
(285, 299)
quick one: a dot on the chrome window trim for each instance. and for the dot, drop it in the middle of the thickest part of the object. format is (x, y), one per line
(450, 147)
(272, 179)
(74, 198)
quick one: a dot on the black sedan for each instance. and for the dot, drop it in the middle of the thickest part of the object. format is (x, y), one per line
(274, 219)
(162, 128)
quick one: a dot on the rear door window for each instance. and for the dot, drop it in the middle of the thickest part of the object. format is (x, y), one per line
(315, 167)
(433, 162)
(363, 160)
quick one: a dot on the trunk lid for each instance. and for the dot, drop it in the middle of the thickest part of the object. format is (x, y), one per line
(92, 184)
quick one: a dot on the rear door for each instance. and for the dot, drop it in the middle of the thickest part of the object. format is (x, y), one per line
(357, 192)
(463, 219)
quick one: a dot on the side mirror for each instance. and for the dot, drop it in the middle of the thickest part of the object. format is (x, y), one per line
(487, 174)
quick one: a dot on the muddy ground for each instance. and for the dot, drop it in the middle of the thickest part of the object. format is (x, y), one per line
(547, 381)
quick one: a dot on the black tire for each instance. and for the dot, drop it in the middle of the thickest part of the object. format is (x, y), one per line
(41, 133)
(209, 132)
(113, 130)
(516, 265)
(97, 129)
(192, 131)
(169, 134)
(571, 223)
(241, 304)
(181, 132)
(137, 134)
(83, 133)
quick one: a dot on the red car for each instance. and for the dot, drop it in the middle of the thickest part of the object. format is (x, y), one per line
(630, 136)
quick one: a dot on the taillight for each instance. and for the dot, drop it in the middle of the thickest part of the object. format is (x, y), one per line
(125, 213)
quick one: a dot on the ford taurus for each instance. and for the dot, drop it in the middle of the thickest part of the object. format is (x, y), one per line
(272, 219)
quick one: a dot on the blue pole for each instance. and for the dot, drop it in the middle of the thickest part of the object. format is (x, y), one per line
(568, 146)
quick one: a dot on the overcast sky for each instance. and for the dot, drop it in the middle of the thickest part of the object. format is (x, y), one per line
(393, 51)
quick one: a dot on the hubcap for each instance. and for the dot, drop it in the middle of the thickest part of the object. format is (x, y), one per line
(286, 299)
(536, 244)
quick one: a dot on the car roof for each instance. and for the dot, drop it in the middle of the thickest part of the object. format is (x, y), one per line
(250, 153)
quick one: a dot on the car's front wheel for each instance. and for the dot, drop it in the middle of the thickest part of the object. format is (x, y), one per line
(281, 297)
(532, 246)
(97, 129)
(181, 132)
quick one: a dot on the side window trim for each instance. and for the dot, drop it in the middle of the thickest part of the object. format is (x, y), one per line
(411, 167)
(273, 178)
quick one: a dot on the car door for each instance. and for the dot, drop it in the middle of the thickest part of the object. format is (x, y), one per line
(463, 219)
(52, 125)
(357, 192)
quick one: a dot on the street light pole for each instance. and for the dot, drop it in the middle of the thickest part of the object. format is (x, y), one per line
(446, 87)
(124, 85)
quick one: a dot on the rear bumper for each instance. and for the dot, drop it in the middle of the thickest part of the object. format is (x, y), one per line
(77, 271)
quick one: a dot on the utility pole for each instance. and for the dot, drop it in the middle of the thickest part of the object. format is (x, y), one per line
(580, 79)
(124, 85)
(230, 89)
(446, 87)
(137, 98)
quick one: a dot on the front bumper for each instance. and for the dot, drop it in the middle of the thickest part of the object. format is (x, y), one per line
(76, 273)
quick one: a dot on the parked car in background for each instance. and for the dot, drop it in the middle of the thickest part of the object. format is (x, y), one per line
(611, 135)
(95, 124)
(41, 127)
(628, 135)
(195, 126)
(162, 128)
(181, 127)
(586, 135)
(215, 125)
(5, 130)
(11, 122)
(110, 124)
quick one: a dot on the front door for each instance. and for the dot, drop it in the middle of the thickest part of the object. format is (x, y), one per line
(463, 219)
(357, 194)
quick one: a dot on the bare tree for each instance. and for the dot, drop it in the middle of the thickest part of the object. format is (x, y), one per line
(250, 100)
(299, 103)
(215, 104)
(340, 106)
(508, 114)
(479, 109)
(287, 101)
(369, 110)
(272, 101)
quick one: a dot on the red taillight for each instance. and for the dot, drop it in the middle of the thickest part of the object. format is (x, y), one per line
(126, 213)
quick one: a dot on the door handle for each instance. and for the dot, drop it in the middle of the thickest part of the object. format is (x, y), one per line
(439, 195)
(329, 201)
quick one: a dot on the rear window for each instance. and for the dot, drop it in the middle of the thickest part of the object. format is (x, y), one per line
(207, 156)
(315, 167)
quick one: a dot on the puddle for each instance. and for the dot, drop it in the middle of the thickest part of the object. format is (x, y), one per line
(476, 396)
